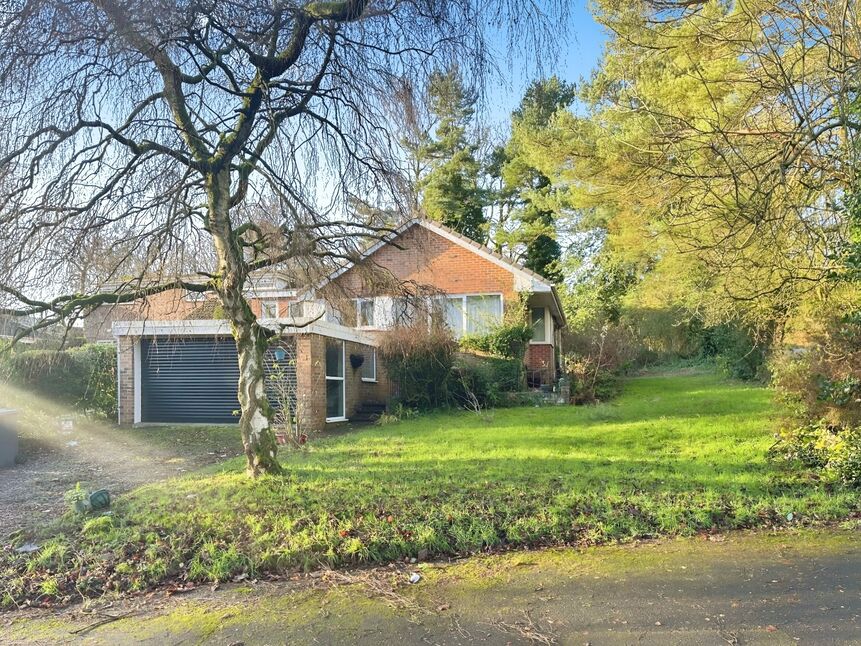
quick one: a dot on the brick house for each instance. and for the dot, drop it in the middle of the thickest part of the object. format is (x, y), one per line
(177, 362)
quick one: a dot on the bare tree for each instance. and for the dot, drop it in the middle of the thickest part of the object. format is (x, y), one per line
(158, 126)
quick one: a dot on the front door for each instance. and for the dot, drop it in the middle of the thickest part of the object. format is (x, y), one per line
(335, 391)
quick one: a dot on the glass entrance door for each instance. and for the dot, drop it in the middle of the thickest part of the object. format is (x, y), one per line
(335, 392)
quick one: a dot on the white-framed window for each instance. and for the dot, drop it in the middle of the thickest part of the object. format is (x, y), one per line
(473, 313)
(369, 366)
(336, 393)
(333, 315)
(269, 310)
(538, 318)
(404, 310)
(296, 310)
(365, 313)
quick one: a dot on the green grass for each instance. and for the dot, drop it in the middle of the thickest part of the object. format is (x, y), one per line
(673, 455)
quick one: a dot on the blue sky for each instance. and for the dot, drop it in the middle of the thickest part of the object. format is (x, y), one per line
(580, 47)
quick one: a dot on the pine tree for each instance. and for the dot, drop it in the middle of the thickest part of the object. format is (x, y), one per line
(449, 190)
(524, 190)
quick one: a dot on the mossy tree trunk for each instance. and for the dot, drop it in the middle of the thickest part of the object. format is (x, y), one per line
(255, 422)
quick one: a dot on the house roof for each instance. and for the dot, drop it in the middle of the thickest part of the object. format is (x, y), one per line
(526, 280)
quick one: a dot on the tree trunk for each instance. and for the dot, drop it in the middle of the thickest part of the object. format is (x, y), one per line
(251, 340)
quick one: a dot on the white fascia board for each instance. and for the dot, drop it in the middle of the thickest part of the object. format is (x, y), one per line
(271, 293)
(222, 328)
(202, 327)
(324, 328)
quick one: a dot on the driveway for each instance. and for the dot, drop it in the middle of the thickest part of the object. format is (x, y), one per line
(801, 587)
(54, 457)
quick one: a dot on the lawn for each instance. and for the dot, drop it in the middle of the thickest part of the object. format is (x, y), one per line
(673, 455)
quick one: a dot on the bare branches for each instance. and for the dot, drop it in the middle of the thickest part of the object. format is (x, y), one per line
(115, 115)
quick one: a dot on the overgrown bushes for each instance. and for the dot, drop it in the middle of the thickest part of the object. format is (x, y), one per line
(419, 362)
(833, 452)
(84, 377)
(508, 340)
(485, 381)
(738, 352)
(430, 373)
(820, 388)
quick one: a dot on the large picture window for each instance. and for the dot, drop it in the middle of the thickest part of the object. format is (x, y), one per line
(335, 393)
(454, 315)
(482, 313)
(473, 314)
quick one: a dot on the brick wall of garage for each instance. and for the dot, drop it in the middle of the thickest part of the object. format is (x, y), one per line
(126, 379)
(311, 381)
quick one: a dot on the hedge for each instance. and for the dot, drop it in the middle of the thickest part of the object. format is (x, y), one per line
(84, 377)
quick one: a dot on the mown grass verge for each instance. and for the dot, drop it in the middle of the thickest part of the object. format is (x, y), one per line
(673, 455)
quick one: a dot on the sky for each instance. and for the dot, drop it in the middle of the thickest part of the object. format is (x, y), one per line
(580, 47)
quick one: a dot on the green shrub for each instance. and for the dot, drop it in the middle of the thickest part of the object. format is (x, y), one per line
(508, 340)
(485, 381)
(833, 451)
(419, 360)
(84, 377)
(736, 351)
(590, 381)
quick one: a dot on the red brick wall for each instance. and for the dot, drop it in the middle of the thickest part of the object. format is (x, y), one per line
(311, 381)
(169, 305)
(126, 393)
(426, 259)
(539, 358)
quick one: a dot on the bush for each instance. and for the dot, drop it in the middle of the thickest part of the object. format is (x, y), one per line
(419, 361)
(485, 381)
(508, 340)
(833, 451)
(737, 351)
(84, 377)
(596, 358)
(820, 382)
(591, 382)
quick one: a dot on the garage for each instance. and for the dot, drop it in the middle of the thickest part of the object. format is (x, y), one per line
(189, 380)
(194, 379)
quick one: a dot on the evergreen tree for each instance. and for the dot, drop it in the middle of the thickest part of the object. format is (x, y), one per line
(524, 191)
(449, 190)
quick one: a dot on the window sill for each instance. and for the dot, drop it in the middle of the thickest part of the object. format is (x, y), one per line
(330, 420)
(541, 343)
(369, 381)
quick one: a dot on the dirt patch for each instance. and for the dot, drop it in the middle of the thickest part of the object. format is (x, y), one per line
(53, 460)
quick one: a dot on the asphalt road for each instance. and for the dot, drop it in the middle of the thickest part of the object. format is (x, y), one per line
(787, 588)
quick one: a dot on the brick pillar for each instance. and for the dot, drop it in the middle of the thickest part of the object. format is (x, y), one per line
(311, 381)
(540, 359)
(125, 379)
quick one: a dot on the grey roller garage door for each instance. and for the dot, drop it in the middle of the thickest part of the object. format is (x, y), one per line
(189, 380)
(195, 379)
